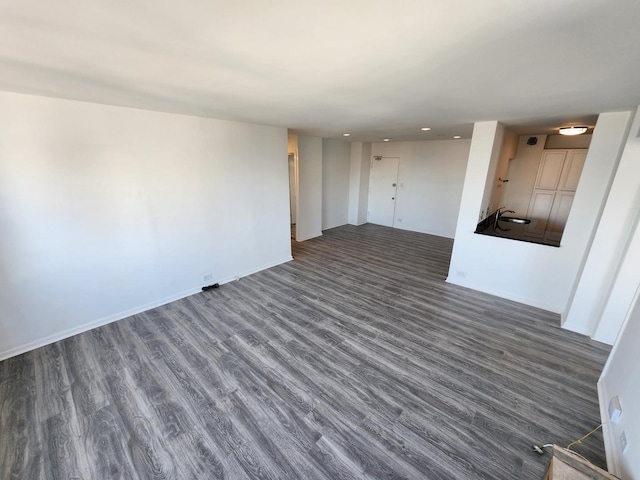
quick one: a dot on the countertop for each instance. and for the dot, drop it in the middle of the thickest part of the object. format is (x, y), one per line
(513, 231)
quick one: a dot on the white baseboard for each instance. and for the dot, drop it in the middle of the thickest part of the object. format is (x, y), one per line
(309, 237)
(56, 337)
(41, 342)
(508, 296)
(581, 330)
(255, 270)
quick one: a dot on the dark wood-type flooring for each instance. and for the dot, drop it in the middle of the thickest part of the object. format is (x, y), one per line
(356, 360)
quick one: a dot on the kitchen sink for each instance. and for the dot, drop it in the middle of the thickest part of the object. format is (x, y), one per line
(523, 221)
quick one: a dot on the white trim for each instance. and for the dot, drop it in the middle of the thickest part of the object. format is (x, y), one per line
(56, 337)
(315, 235)
(94, 324)
(613, 460)
(506, 295)
(581, 329)
(255, 270)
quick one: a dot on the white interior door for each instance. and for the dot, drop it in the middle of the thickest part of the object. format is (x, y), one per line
(382, 190)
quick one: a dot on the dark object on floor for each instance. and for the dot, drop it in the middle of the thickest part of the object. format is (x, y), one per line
(210, 287)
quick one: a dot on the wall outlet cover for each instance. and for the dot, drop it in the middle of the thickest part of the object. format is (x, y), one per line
(623, 442)
(615, 410)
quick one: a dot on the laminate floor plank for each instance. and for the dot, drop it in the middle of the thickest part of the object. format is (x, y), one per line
(52, 382)
(63, 448)
(239, 457)
(21, 447)
(354, 361)
(88, 389)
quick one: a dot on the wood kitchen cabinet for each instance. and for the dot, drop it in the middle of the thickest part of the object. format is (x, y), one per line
(552, 197)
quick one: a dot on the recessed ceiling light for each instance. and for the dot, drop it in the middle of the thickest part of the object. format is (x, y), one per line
(573, 130)
(457, 136)
(346, 134)
(386, 139)
(425, 129)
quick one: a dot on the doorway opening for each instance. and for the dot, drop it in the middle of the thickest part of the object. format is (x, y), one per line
(293, 194)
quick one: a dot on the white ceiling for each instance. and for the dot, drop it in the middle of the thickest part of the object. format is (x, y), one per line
(375, 68)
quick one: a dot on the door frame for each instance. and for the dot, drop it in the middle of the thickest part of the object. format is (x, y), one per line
(395, 195)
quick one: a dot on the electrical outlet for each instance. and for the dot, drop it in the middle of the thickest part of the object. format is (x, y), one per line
(461, 274)
(615, 410)
(208, 277)
(623, 442)
(399, 220)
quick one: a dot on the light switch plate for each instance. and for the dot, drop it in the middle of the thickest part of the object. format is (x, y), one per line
(615, 410)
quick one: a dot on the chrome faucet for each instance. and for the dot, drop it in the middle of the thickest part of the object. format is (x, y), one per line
(499, 213)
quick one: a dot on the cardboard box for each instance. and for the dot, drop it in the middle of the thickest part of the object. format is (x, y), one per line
(566, 465)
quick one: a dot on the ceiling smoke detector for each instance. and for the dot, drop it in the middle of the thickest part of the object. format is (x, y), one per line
(573, 130)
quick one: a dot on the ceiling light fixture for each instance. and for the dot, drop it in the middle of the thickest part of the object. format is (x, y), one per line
(457, 136)
(425, 129)
(346, 134)
(573, 130)
(386, 139)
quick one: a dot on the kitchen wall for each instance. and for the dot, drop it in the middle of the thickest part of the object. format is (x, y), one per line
(507, 152)
(522, 172)
(108, 211)
(568, 141)
(336, 166)
(430, 179)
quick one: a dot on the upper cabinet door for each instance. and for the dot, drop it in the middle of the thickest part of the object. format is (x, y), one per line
(550, 169)
(572, 170)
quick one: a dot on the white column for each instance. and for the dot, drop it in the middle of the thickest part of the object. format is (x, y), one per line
(309, 188)
(606, 256)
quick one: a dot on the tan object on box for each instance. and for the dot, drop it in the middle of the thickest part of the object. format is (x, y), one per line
(565, 465)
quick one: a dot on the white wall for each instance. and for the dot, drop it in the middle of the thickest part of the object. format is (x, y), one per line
(508, 151)
(620, 377)
(309, 223)
(607, 255)
(107, 211)
(359, 172)
(336, 166)
(522, 173)
(430, 179)
(568, 141)
(622, 291)
(533, 274)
